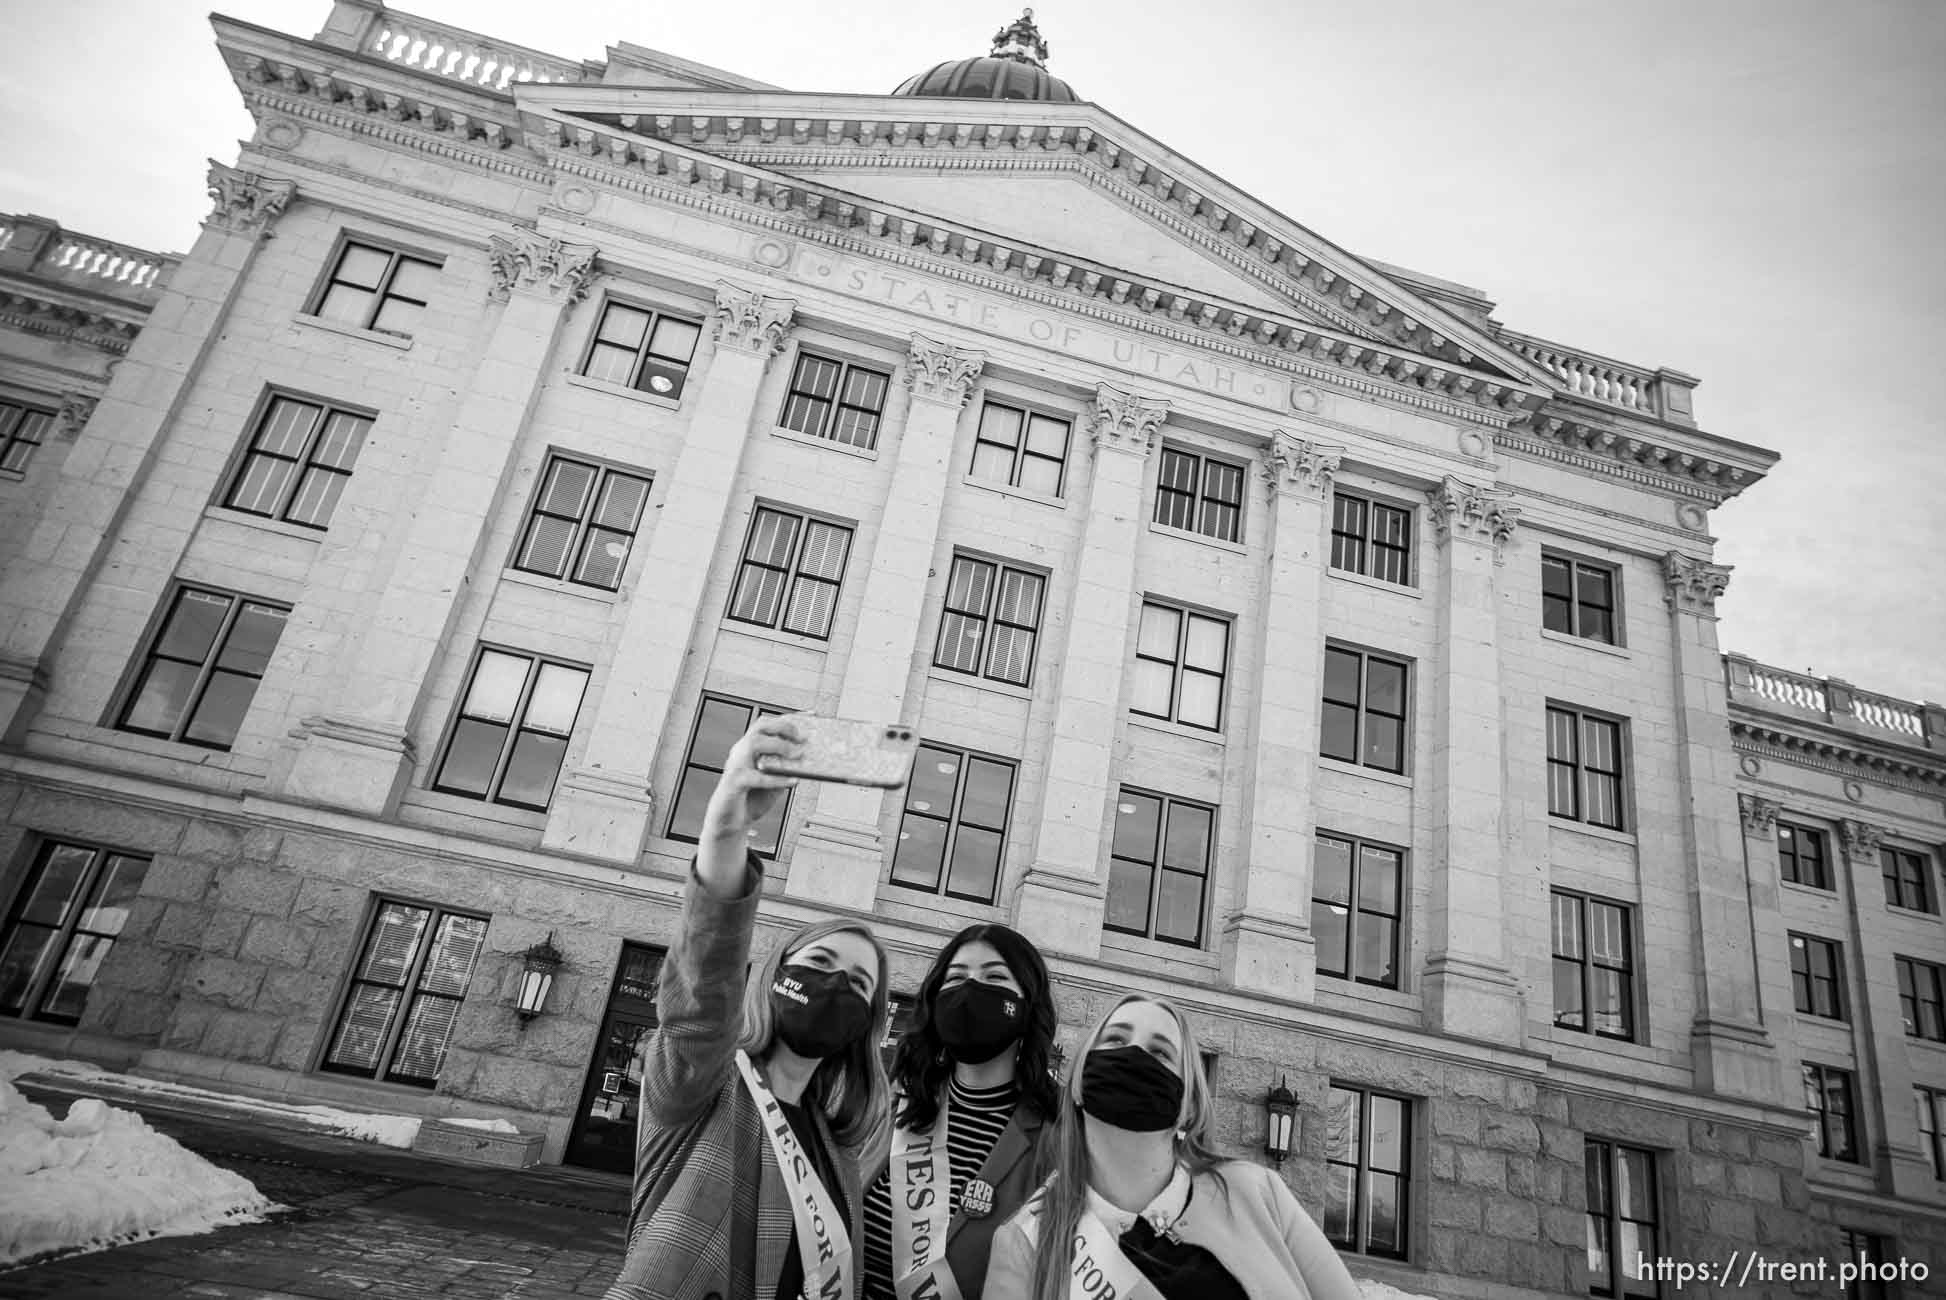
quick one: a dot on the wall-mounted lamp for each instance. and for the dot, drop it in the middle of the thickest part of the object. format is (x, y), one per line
(537, 967)
(1281, 1107)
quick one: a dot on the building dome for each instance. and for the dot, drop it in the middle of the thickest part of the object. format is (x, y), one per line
(1016, 69)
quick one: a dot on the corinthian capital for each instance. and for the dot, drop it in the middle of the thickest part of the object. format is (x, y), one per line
(1694, 584)
(1125, 420)
(1465, 510)
(1298, 467)
(1861, 840)
(941, 372)
(1759, 815)
(749, 322)
(245, 201)
(537, 264)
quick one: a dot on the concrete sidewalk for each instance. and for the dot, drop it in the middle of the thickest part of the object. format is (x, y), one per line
(364, 1221)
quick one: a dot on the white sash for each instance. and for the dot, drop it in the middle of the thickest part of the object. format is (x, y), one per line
(921, 1182)
(823, 1243)
(1098, 1270)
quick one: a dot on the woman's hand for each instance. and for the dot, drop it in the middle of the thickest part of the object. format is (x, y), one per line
(742, 798)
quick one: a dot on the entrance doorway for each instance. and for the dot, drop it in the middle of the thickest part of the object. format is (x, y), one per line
(604, 1126)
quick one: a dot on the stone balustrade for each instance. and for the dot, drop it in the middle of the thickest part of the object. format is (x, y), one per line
(427, 46)
(37, 247)
(1834, 700)
(1659, 394)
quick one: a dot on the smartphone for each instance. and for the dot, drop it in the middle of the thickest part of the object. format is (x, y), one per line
(876, 754)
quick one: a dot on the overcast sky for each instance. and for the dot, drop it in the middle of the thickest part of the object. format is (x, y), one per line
(1752, 191)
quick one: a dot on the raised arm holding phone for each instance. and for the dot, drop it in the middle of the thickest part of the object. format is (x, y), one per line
(756, 1108)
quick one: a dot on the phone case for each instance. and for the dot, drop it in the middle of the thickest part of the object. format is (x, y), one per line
(845, 750)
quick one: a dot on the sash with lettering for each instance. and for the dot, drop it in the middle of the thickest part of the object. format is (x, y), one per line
(823, 1243)
(921, 1185)
(1099, 1270)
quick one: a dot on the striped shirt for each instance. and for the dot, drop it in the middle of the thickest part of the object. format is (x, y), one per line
(977, 1118)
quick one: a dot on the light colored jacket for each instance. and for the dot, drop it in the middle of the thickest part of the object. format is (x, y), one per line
(709, 1217)
(1259, 1232)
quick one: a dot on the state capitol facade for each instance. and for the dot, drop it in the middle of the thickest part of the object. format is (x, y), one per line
(386, 578)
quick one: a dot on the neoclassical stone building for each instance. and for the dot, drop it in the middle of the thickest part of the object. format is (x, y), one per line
(1287, 635)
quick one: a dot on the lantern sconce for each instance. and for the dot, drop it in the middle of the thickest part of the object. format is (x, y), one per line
(1281, 1134)
(537, 967)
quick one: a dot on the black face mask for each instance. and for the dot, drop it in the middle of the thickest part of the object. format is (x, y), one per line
(1130, 1089)
(977, 1022)
(818, 1013)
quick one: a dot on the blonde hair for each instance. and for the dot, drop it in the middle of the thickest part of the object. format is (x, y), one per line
(1066, 1193)
(849, 1086)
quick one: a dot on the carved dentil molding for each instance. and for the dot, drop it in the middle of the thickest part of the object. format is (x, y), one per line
(1759, 814)
(1299, 467)
(76, 408)
(537, 264)
(942, 372)
(245, 201)
(1861, 840)
(1124, 420)
(1470, 511)
(750, 322)
(1694, 584)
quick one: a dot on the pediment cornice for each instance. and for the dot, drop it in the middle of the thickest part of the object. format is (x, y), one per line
(54, 311)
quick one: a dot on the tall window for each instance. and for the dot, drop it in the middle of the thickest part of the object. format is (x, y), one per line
(1908, 879)
(1355, 910)
(792, 565)
(1371, 538)
(1022, 449)
(1922, 998)
(1200, 494)
(642, 349)
(1816, 987)
(1623, 1227)
(583, 523)
(1828, 1096)
(1594, 979)
(720, 723)
(954, 825)
(1368, 1163)
(202, 670)
(22, 428)
(830, 399)
(512, 729)
(64, 924)
(1180, 660)
(1159, 867)
(376, 288)
(1932, 1128)
(1584, 768)
(1867, 1252)
(1364, 709)
(991, 621)
(1802, 857)
(299, 462)
(412, 973)
(1578, 598)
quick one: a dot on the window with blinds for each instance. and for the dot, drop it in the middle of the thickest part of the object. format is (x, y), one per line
(1584, 767)
(22, 428)
(790, 574)
(405, 993)
(583, 523)
(1200, 494)
(991, 620)
(835, 400)
(511, 730)
(201, 671)
(298, 461)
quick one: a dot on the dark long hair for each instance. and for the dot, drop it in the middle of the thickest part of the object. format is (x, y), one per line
(920, 1065)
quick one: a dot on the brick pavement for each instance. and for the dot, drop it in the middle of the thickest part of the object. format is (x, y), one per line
(364, 1222)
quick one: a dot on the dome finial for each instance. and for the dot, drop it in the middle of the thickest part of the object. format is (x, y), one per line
(1021, 41)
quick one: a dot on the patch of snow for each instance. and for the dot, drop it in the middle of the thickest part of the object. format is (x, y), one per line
(102, 1177)
(484, 1125)
(386, 1130)
(1371, 1290)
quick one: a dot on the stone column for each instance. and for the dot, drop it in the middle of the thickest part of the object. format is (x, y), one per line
(1765, 885)
(1730, 1050)
(1470, 991)
(96, 488)
(1267, 943)
(1059, 905)
(840, 851)
(358, 756)
(1878, 1030)
(602, 807)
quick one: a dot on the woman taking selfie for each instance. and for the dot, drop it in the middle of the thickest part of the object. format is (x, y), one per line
(973, 1088)
(1138, 1200)
(754, 1115)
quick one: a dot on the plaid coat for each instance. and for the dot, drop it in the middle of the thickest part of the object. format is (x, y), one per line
(710, 1217)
